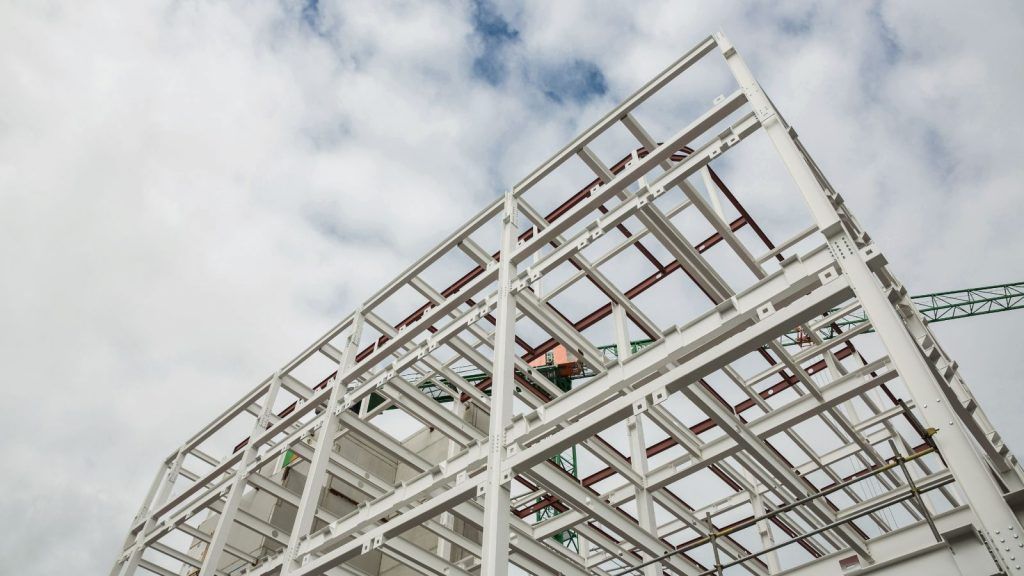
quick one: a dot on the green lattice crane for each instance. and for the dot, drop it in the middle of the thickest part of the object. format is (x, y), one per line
(939, 307)
(935, 307)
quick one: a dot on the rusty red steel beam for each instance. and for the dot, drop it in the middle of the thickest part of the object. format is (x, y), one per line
(558, 212)
(743, 213)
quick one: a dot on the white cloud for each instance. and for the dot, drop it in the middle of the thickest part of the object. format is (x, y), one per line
(192, 191)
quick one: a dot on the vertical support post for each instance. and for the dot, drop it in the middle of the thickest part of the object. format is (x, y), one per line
(151, 494)
(227, 514)
(622, 345)
(713, 538)
(497, 490)
(132, 562)
(317, 474)
(991, 513)
(141, 515)
(637, 444)
(644, 501)
(764, 529)
(444, 548)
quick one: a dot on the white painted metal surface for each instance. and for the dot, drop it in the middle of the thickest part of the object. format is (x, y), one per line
(714, 449)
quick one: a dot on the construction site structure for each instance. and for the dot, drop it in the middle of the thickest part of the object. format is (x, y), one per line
(754, 428)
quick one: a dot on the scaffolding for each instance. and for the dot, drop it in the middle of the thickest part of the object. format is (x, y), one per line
(708, 448)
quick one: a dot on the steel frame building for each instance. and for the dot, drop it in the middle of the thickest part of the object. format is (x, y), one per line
(716, 449)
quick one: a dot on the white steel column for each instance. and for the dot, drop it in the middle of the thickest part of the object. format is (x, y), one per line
(142, 514)
(444, 546)
(132, 562)
(317, 473)
(764, 528)
(644, 502)
(992, 514)
(497, 489)
(637, 444)
(238, 483)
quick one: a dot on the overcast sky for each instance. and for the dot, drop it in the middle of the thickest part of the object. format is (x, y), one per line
(192, 191)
